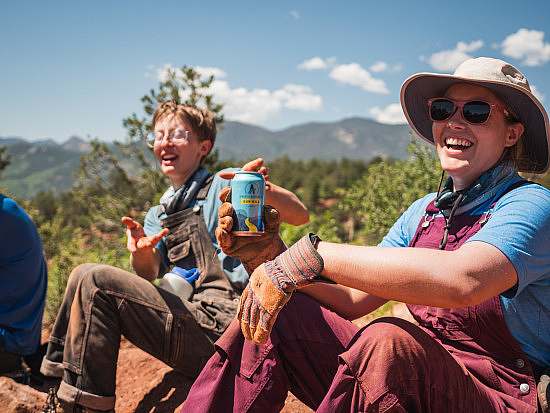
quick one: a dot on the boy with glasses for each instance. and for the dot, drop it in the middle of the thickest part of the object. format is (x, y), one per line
(102, 302)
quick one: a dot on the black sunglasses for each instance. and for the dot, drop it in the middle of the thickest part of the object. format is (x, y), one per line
(475, 112)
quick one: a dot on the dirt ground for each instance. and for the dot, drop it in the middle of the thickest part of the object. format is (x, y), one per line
(144, 384)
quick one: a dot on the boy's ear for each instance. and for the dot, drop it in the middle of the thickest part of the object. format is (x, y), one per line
(206, 146)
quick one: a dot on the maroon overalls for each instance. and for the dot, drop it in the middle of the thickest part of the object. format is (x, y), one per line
(477, 335)
(459, 360)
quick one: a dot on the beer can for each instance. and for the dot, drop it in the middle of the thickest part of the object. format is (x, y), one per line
(247, 198)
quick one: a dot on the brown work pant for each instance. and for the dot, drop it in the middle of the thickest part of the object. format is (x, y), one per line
(102, 302)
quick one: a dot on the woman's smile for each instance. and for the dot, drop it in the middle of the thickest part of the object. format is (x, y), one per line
(457, 143)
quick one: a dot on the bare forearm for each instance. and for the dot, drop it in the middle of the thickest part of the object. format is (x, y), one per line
(146, 265)
(344, 301)
(415, 275)
(291, 209)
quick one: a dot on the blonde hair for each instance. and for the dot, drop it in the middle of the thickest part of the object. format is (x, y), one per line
(202, 121)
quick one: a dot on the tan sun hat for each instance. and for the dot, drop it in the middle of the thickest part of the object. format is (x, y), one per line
(505, 81)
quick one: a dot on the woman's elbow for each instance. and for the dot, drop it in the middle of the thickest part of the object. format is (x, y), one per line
(303, 217)
(455, 290)
(463, 300)
(300, 213)
(296, 217)
(466, 293)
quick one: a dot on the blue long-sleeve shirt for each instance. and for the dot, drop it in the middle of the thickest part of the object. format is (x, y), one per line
(23, 280)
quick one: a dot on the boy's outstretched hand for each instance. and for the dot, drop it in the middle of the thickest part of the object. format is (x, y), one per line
(137, 242)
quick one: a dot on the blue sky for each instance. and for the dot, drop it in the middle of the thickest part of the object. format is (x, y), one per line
(80, 67)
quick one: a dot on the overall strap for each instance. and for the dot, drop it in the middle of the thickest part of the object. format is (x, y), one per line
(517, 184)
(203, 192)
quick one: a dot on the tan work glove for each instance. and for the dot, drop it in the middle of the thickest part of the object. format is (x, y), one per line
(271, 285)
(253, 250)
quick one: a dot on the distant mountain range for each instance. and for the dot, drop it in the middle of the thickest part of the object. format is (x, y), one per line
(42, 165)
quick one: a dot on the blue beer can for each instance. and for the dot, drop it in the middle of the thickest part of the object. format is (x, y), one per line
(247, 198)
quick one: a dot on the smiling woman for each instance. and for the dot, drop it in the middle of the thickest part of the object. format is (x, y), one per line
(471, 261)
(501, 86)
(473, 138)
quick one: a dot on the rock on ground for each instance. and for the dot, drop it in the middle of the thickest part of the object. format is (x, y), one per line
(18, 398)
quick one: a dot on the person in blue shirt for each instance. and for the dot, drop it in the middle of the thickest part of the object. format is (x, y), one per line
(472, 263)
(102, 302)
(23, 277)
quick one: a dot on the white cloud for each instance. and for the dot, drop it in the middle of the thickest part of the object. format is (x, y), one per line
(294, 14)
(353, 74)
(397, 67)
(258, 105)
(163, 73)
(527, 45)
(381, 66)
(298, 97)
(391, 114)
(449, 60)
(252, 105)
(317, 63)
(211, 71)
(537, 93)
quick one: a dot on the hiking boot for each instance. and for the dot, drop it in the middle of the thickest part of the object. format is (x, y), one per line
(9, 362)
(11, 365)
(33, 362)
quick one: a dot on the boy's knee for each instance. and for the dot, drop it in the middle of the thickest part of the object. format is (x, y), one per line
(78, 273)
(103, 277)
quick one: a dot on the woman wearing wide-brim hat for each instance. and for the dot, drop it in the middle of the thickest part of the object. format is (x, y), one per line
(471, 261)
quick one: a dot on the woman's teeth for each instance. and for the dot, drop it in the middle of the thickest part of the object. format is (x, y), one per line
(457, 143)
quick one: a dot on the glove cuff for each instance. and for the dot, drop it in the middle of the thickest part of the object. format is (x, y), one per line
(297, 266)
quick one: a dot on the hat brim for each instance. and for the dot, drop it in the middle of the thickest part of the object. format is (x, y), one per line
(417, 89)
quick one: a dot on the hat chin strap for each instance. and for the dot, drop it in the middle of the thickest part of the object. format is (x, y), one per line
(447, 201)
(446, 196)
